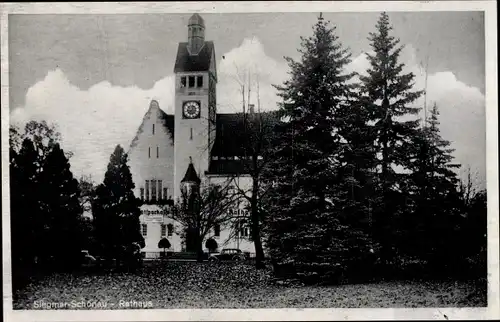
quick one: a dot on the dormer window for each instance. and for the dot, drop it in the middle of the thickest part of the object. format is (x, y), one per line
(199, 81)
(183, 81)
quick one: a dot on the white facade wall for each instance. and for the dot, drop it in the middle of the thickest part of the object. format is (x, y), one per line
(153, 217)
(151, 156)
(238, 240)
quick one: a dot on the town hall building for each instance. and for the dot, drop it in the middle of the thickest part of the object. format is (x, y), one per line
(195, 137)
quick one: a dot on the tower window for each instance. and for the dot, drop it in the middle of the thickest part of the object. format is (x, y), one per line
(149, 152)
(147, 189)
(170, 230)
(144, 230)
(153, 129)
(165, 192)
(191, 81)
(199, 81)
(142, 194)
(157, 152)
(163, 230)
(191, 134)
(183, 81)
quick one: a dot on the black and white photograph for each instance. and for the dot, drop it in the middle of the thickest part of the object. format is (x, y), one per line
(234, 156)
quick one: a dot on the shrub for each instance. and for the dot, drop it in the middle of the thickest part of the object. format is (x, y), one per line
(211, 245)
(164, 243)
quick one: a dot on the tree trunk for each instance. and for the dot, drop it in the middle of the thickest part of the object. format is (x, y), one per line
(385, 214)
(199, 247)
(259, 251)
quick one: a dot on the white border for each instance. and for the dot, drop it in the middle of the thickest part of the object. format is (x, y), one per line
(491, 312)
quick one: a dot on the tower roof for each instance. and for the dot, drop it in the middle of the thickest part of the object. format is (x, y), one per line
(194, 63)
(191, 175)
(196, 19)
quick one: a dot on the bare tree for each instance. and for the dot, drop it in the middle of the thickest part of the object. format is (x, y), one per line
(200, 209)
(258, 127)
(468, 187)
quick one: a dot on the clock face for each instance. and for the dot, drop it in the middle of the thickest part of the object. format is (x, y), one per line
(191, 109)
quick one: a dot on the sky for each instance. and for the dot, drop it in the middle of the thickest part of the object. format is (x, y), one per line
(94, 75)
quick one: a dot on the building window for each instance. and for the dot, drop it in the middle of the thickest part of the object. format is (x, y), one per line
(199, 81)
(142, 194)
(153, 129)
(165, 192)
(183, 81)
(217, 230)
(170, 230)
(160, 189)
(191, 81)
(157, 152)
(144, 230)
(243, 228)
(163, 230)
(147, 189)
(191, 134)
(149, 152)
(153, 190)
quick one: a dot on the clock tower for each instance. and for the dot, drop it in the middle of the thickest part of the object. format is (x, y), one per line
(195, 102)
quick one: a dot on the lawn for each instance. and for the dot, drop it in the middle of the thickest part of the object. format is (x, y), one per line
(231, 285)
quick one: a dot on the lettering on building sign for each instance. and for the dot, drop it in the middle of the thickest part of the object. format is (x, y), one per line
(239, 212)
(153, 212)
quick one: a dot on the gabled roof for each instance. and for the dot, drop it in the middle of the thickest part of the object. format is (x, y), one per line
(191, 175)
(167, 120)
(193, 63)
(230, 134)
(232, 140)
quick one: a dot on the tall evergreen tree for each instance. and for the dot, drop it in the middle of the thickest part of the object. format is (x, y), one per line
(387, 94)
(116, 209)
(60, 208)
(304, 234)
(435, 193)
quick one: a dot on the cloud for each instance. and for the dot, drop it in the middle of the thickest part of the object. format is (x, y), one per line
(250, 66)
(93, 121)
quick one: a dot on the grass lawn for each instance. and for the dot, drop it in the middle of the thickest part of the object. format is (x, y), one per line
(232, 285)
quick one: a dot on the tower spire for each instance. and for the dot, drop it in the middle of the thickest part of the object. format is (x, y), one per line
(191, 176)
(196, 34)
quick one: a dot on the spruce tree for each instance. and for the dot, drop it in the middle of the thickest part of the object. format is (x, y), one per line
(436, 210)
(388, 95)
(115, 208)
(304, 235)
(61, 208)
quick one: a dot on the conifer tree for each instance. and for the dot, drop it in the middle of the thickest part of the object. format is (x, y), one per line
(304, 234)
(116, 209)
(435, 192)
(60, 208)
(387, 93)
(25, 215)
